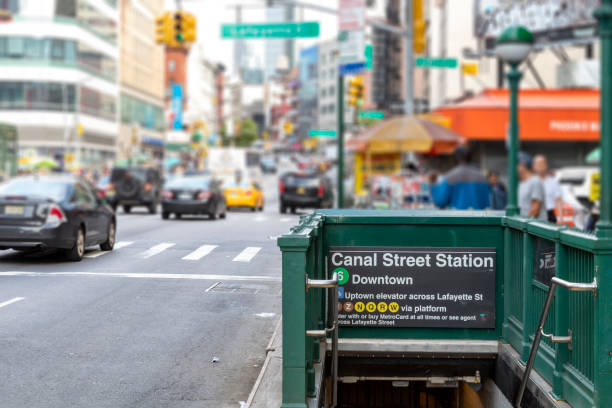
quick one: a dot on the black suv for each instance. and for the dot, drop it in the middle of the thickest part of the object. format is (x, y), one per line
(134, 186)
(303, 190)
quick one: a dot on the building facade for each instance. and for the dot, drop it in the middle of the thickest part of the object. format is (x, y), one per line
(59, 79)
(141, 81)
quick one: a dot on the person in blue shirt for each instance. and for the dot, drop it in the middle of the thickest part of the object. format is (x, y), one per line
(499, 196)
(464, 187)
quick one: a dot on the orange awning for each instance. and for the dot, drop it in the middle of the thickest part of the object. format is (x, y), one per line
(544, 115)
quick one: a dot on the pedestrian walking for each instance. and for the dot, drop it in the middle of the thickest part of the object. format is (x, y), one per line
(499, 195)
(552, 187)
(464, 187)
(532, 195)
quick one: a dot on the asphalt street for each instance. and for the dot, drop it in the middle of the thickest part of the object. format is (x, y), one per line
(140, 326)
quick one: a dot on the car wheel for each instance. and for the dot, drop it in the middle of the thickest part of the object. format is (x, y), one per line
(292, 210)
(114, 207)
(212, 216)
(222, 215)
(127, 208)
(165, 215)
(75, 254)
(109, 244)
(153, 208)
(177, 216)
(253, 209)
(282, 208)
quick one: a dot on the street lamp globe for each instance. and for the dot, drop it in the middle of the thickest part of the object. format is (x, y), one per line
(514, 44)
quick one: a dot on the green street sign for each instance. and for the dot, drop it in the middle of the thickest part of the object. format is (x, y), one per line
(371, 114)
(436, 62)
(369, 55)
(321, 133)
(275, 30)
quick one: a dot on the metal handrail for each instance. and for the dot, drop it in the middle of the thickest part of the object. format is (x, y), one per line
(572, 286)
(329, 284)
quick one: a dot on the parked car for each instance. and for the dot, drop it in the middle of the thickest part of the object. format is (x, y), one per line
(579, 181)
(193, 195)
(136, 186)
(305, 190)
(268, 164)
(57, 211)
(244, 194)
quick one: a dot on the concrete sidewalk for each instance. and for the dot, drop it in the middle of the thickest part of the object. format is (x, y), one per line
(267, 391)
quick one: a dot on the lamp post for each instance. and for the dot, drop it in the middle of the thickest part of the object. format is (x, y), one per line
(604, 15)
(513, 46)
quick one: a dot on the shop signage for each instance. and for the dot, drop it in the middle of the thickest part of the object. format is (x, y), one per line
(415, 287)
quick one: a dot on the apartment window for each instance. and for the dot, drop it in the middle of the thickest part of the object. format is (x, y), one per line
(52, 96)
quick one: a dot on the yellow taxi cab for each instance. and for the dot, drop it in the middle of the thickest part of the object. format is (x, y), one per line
(244, 194)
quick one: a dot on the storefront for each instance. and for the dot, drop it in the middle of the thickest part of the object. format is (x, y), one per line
(563, 124)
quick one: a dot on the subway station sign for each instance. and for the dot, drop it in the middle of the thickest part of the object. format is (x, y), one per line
(415, 287)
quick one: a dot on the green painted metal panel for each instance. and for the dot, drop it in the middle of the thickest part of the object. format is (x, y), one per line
(271, 30)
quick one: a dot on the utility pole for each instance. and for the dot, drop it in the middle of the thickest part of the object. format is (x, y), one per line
(340, 137)
(443, 38)
(408, 49)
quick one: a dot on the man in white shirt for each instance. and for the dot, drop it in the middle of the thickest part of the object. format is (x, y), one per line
(531, 193)
(554, 195)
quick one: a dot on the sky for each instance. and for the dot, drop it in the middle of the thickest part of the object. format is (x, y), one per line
(212, 13)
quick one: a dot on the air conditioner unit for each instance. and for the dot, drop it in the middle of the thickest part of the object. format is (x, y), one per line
(578, 74)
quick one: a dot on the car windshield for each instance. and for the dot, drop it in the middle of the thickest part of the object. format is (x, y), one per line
(302, 181)
(189, 182)
(240, 184)
(137, 173)
(54, 190)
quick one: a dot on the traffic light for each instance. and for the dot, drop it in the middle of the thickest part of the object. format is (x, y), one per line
(419, 36)
(189, 27)
(355, 91)
(163, 29)
(179, 35)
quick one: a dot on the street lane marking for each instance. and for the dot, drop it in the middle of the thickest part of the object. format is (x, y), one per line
(123, 244)
(200, 253)
(259, 218)
(211, 287)
(190, 276)
(247, 254)
(13, 300)
(286, 219)
(97, 253)
(156, 249)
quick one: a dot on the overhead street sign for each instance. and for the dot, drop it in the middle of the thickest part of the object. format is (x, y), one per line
(371, 114)
(321, 133)
(437, 62)
(274, 30)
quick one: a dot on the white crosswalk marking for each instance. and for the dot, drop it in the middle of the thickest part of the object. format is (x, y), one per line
(118, 245)
(200, 253)
(285, 219)
(156, 249)
(247, 254)
(259, 218)
(123, 244)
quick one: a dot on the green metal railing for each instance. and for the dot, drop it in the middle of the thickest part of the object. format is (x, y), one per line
(570, 370)
(574, 372)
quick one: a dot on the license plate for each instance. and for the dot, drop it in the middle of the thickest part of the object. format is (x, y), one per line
(184, 196)
(301, 190)
(13, 210)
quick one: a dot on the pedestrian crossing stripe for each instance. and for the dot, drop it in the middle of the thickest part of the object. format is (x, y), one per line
(156, 249)
(118, 245)
(200, 253)
(247, 254)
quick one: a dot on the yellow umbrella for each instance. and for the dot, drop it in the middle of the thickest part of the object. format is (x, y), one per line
(407, 134)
